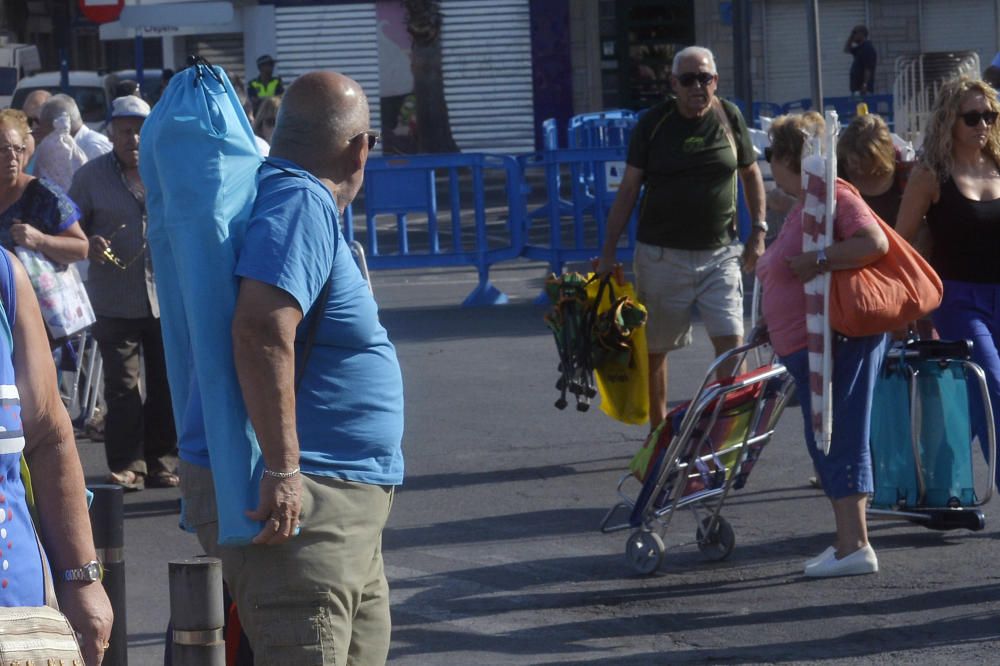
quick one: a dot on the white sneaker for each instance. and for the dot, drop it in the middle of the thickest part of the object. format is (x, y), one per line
(813, 561)
(862, 561)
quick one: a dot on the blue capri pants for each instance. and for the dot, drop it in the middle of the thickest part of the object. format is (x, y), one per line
(847, 470)
(971, 311)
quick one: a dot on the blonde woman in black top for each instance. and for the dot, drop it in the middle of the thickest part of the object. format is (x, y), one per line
(955, 192)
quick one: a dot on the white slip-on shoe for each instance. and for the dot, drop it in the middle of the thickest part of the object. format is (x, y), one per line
(862, 561)
(813, 561)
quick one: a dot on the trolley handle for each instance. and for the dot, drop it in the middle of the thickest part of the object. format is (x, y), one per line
(959, 350)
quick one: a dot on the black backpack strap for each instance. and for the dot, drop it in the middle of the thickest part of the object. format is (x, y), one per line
(316, 312)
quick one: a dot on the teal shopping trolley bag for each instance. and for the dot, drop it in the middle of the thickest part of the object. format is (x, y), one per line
(923, 453)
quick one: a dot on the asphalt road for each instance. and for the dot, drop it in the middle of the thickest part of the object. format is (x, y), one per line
(493, 552)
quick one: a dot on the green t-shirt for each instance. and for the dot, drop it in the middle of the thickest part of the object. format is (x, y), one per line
(689, 173)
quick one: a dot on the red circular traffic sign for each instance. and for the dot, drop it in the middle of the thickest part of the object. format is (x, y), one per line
(102, 11)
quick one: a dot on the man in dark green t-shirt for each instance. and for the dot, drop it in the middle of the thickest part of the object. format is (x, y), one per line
(688, 152)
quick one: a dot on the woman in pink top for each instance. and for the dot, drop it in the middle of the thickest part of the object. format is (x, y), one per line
(846, 472)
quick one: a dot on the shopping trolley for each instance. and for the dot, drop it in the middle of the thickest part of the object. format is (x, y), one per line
(702, 451)
(927, 400)
(81, 386)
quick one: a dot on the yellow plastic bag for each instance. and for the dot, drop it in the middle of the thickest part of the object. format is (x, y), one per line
(622, 382)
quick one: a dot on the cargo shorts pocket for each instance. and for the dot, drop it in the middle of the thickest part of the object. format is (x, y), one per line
(293, 635)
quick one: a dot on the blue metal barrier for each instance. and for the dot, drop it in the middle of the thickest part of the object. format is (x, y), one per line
(601, 130)
(550, 141)
(550, 134)
(847, 107)
(769, 109)
(578, 238)
(606, 129)
(405, 186)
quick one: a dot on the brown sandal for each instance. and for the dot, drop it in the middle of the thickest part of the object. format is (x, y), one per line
(130, 481)
(163, 479)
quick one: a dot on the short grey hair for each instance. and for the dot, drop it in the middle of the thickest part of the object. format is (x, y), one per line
(699, 52)
(58, 105)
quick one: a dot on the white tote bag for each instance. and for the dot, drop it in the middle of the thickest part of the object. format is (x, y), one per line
(61, 294)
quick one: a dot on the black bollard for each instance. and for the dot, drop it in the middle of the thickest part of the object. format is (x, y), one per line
(107, 519)
(196, 612)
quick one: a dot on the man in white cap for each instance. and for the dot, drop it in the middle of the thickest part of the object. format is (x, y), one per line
(139, 438)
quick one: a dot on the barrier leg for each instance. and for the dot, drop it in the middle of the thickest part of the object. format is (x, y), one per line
(107, 518)
(196, 612)
(484, 293)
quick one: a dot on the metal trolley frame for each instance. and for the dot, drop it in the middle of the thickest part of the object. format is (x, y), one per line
(690, 450)
(936, 517)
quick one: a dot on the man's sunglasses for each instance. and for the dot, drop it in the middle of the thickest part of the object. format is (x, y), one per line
(972, 118)
(373, 138)
(688, 79)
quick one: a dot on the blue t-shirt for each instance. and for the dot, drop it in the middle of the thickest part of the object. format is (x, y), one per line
(349, 406)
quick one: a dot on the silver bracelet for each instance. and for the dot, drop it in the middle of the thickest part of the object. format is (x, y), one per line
(281, 475)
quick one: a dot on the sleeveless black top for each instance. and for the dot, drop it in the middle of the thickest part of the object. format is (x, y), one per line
(966, 236)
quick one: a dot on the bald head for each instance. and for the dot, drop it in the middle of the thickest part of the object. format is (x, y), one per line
(34, 101)
(319, 110)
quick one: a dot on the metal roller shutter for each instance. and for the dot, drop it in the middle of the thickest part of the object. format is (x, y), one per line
(959, 25)
(224, 50)
(335, 37)
(787, 47)
(487, 74)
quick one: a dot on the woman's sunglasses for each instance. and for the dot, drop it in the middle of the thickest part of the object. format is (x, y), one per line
(972, 118)
(688, 79)
(768, 153)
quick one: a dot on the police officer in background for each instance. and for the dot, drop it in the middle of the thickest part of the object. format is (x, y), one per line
(266, 84)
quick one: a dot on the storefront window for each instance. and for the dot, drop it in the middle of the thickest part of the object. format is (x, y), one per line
(649, 33)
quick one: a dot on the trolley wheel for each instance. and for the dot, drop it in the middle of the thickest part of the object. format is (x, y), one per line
(644, 551)
(719, 544)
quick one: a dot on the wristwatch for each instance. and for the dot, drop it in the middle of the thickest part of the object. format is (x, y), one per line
(822, 263)
(90, 572)
(760, 224)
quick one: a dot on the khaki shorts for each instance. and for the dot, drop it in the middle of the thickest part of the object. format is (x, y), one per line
(320, 598)
(671, 282)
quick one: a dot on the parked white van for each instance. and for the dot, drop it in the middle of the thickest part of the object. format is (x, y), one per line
(87, 88)
(16, 62)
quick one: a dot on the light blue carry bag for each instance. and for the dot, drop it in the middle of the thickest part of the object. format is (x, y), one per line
(199, 161)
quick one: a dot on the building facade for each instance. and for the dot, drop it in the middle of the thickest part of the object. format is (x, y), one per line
(621, 46)
(482, 74)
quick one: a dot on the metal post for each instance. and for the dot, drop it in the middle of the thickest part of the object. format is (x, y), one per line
(139, 65)
(107, 518)
(815, 69)
(63, 71)
(196, 612)
(741, 55)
